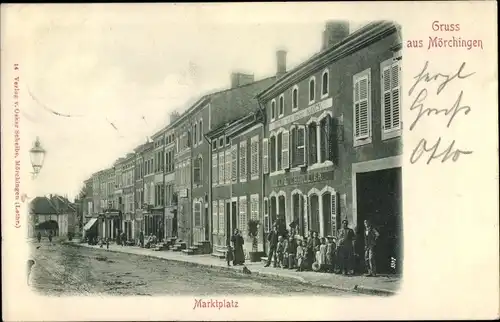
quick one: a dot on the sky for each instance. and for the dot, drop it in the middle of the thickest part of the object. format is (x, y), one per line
(132, 66)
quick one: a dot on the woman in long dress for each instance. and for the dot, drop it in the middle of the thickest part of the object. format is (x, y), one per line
(321, 255)
(239, 256)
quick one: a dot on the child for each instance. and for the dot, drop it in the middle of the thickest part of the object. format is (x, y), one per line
(285, 253)
(290, 252)
(321, 257)
(279, 251)
(229, 255)
(330, 254)
(300, 256)
(107, 243)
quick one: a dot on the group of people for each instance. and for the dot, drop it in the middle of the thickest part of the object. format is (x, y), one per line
(50, 234)
(333, 254)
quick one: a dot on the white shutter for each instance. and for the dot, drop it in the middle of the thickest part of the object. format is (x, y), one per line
(243, 161)
(215, 168)
(221, 217)
(265, 155)
(227, 170)
(386, 99)
(234, 160)
(396, 95)
(285, 150)
(334, 207)
(243, 215)
(215, 217)
(221, 167)
(362, 126)
(306, 216)
(301, 146)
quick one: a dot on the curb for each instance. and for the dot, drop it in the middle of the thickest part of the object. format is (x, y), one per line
(356, 289)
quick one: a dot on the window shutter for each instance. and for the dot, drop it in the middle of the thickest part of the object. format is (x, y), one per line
(221, 167)
(228, 166)
(243, 161)
(234, 160)
(301, 146)
(215, 177)
(386, 101)
(221, 217)
(265, 155)
(306, 215)
(333, 140)
(396, 99)
(272, 155)
(215, 217)
(285, 150)
(293, 147)
(361, 108)
(334, 210)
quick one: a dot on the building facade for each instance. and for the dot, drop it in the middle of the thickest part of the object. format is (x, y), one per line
(334, 136)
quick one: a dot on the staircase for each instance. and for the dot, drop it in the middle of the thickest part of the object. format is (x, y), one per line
(199, 248)
(179, 246)
(219, 252)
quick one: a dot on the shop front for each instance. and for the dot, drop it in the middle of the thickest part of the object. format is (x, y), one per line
(307, 201)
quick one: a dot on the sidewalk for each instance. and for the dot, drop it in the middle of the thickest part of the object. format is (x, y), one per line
(381, 285)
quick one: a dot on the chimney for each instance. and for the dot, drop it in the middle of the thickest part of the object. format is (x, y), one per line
(280, 63)
(240, 79)
(174, 116)
(335, 31)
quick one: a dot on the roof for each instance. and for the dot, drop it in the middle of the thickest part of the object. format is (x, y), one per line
(51, 205)
(357, 40)
(235, 125)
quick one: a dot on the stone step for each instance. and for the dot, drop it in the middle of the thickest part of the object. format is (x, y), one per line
(195, 248)
(218, 255)
(188, 252)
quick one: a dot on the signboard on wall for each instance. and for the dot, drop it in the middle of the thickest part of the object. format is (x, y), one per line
(299, 179)
(183, 193)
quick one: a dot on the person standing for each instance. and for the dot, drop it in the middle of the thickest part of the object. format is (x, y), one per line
(238, 241)
(39, 236)
(371, 236)
(50, 236)
(345, 247)
(141, 239)
(273, 243)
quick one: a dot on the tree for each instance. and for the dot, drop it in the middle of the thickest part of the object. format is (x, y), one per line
(253, 232)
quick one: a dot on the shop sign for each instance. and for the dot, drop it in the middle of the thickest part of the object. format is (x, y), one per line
(300, 179)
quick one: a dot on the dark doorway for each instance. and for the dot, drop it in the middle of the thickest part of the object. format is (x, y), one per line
(273, 210)
(228, 223)
(207, 226)
(379, 198)
(282, 210)
(314, 221)
(234, 216)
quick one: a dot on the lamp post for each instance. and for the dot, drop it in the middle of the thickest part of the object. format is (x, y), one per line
(37, 156)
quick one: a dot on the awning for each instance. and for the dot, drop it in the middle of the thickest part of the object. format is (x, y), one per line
(90, 223)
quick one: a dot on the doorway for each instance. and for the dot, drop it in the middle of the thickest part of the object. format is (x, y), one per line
(207, 228)
(234, 216)
(379, 199)
(228, 223)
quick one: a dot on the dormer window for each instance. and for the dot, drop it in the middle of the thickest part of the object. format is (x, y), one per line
(312, 90)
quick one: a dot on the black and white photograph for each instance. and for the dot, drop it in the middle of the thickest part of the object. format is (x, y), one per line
(215, 158)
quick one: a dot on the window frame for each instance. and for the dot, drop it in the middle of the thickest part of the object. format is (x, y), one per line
(387, 64)
(311, 80)
(273, 109)
(295, 101)
(281, 106)
(355, 79)
(327, 73)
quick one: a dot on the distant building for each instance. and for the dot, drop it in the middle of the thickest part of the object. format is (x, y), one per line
(54, 214)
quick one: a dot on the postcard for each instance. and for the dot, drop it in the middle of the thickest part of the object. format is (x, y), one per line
(239, 161)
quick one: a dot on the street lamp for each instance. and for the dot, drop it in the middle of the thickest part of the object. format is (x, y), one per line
(37, 155)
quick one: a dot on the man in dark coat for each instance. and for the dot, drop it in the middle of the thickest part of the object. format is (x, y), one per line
(345, 248)
(273, 243)
(371, 236)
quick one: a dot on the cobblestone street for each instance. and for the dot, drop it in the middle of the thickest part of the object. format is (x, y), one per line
(68, 270)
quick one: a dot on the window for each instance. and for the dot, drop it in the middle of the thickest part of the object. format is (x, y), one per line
(281, 105)
(243, 215)
(328, 139)
(273, 110)
(267, 224)
(195, 135)
(279, 149)
(214, 145)
(188, 138)
(221, 142)
(221, 217)
(285, 150)
(197, 166)
(227, 169)
(215, 217)
(254, 157)
(200, 131)
(197, 213)
(391, 98)
(312, 89)
(254, 207)
(265, 156)
(312, 144)
(243, 161)
(221, 167)
(215, 174)
(234, 163)
(295, 97)
(228, 141)
(362, 108)
(273, 152)
(324, 83)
